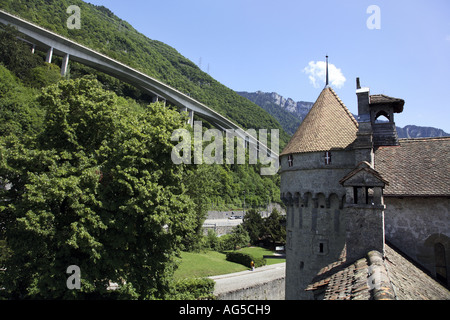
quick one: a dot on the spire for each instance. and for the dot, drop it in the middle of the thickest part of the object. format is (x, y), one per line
(326, 79)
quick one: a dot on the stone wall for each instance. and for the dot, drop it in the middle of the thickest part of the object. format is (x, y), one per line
(315, 229)
(214, 214)
(220, 230)
(416, 224)
(271, 290)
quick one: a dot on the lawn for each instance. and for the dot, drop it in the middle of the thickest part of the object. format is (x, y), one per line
(260, 252)
(212, 263)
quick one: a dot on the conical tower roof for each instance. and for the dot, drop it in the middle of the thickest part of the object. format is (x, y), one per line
(329, 125)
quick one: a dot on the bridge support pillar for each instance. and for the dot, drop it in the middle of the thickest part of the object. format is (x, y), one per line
(49, 55)
(191, 117)
(157, 99)
(64, 65)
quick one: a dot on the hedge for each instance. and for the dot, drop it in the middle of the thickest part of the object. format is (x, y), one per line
(192, 289)
(245, 259)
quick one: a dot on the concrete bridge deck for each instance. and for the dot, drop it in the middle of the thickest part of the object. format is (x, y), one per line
(54, 44)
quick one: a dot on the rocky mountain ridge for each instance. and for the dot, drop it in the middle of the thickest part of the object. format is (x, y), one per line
(291, 113)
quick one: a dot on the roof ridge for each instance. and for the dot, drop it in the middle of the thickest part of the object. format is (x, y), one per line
(378, 280)
(344, 106)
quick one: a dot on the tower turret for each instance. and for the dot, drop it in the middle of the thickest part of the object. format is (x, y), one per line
(318, 155)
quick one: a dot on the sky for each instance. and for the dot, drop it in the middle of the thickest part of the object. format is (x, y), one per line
(397, 48)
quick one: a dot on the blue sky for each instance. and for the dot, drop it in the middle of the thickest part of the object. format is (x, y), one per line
(252, 45)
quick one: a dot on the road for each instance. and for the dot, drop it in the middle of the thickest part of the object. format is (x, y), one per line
(245, 279)
(223, 222)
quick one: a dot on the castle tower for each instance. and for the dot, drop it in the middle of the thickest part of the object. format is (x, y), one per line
(316, 158)
(333, 195)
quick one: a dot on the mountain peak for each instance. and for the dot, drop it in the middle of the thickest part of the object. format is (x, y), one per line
(298, 108)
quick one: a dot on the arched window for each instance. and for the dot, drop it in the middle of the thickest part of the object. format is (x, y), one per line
(441, 262)
(382, 116)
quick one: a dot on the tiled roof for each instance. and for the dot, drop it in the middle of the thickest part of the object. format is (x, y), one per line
(329, 125)
(375, 278)
(411, 283)
(364, 167)
(417, 167)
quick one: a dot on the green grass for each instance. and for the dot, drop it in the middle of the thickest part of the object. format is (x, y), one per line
(212, 263)
(258, 252)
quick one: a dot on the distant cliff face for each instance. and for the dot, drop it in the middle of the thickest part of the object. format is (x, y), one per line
(290, 114)
(300, 108)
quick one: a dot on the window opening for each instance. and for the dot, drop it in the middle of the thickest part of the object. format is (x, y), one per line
(290, 160)
(327, 157)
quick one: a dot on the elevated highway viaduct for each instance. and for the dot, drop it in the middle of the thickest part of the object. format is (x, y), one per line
(54, 44)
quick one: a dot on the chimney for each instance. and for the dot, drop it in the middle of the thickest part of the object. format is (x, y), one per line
(364, 140)
(363, 102)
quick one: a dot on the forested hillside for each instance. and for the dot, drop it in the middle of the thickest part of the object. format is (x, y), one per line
(103, 31)
(86, 176)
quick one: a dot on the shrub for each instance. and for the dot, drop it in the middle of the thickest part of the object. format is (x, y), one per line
(245, 259)
(192, 289)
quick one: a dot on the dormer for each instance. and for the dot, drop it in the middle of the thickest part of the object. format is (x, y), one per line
(364, 186)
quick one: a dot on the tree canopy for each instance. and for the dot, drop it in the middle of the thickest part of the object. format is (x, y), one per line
(86, 175)
(96, 189)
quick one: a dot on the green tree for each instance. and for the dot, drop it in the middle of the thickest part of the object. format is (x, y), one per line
(45, 75)
(19, 112)
(200, 185)
(15, 53)
(212, 240)
(97, 190)
(275, 227)
(254, 224)
(239, 237)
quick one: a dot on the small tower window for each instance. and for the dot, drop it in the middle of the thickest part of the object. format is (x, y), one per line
(327, 157)
(321, 247)
(290, 160)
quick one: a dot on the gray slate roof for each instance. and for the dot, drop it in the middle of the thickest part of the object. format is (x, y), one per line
(417, 167)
